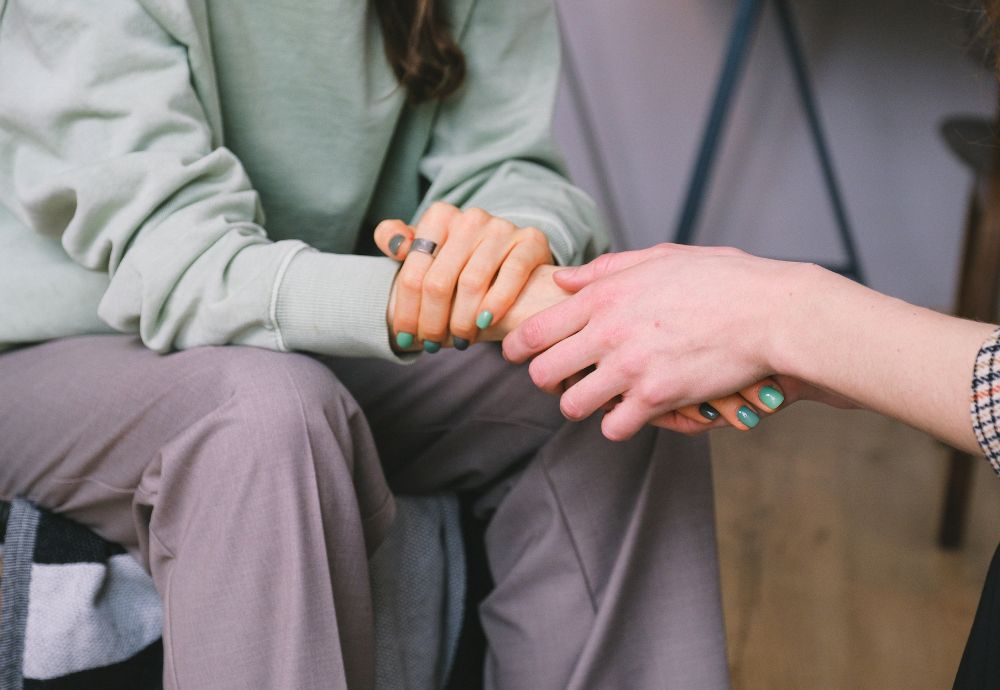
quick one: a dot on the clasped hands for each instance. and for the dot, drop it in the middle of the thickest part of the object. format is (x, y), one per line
(637, 334)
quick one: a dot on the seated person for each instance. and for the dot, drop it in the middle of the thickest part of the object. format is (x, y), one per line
(223, 395)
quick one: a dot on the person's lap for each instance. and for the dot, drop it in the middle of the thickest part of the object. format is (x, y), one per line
(593, 545)
(82, 419)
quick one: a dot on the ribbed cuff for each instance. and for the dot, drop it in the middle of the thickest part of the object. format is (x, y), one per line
(335, 304)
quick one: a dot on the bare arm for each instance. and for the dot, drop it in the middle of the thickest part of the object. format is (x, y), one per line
(904, 361)
(671, 326)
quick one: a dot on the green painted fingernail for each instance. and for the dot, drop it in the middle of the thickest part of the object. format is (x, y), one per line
(404, 340)
(771, 397)
(431, 346)
(708, 412)
(484, 319)
(748, 416)
(395, 243)
(460, 343)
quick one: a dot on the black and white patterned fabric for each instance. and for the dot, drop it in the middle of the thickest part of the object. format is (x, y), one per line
(986, 399)
(78, 612)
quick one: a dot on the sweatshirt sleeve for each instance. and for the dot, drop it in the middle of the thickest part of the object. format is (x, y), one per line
(105, 144)
(491, 145)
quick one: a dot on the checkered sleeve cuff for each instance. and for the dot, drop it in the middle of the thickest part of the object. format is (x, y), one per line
(986, 399)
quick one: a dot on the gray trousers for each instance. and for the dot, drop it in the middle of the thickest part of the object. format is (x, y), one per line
(253, 485)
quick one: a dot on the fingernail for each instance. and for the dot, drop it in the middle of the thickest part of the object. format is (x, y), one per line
(771, 397)
(484, 319)
(395, 243)
(748, 416)
(460, 343)
(708, 412)
(431, 346)
(404, 340)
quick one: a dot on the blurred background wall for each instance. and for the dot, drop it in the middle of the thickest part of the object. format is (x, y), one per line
(827, 520)
(885, 73)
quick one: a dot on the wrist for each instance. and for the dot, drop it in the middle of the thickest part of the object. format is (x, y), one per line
(795, 316)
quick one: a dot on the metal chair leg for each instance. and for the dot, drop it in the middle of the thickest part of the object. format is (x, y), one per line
(747, 20)
(956, 499)
(796, 56)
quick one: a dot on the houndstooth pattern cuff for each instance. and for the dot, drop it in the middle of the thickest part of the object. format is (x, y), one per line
(986, 399)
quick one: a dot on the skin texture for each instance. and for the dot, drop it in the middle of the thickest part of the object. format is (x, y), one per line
(438, 298)
(669, 326)
(482, 264)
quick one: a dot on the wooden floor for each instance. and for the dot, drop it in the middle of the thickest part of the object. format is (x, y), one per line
(831, 575)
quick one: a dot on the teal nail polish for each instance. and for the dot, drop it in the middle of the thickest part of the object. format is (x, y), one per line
(460, 343)
(404, 340)
(431, 346)
(748, 416)
(395, 243)
(484, 319)
(771, 397)
(708, 412)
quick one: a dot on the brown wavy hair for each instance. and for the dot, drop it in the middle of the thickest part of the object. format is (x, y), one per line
(420, 48)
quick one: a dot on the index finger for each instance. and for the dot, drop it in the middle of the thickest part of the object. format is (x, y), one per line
(546, 328)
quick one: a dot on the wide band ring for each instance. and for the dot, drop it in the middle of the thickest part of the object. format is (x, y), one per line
(424, 246)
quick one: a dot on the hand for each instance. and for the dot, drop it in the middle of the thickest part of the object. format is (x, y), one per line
(785, 390)
(539, 293)
(481, 266)
(666, 328)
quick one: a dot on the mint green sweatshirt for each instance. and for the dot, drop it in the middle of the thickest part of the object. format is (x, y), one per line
(204, 173)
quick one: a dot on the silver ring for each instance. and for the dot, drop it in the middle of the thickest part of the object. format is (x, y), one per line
(424, 246)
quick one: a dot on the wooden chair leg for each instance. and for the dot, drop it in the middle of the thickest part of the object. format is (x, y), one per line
(977, 299)
(956, 499)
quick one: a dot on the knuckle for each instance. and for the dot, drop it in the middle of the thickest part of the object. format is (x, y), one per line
(603, 262)
(440, 208)
(570, 408)
(631, 366)
(437, 286)
(439, 213)
(462, 329)
(608, 340)
(518, 264)
(475, 217)
(539, 373)
(411, 281)
(650, 396)
(612, 431)
(501, 228)
(533, 235)
(472, 280)
(532, 333)
(602, 299)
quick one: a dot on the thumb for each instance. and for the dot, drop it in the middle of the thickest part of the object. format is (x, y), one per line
(578, 277)
(393, 238)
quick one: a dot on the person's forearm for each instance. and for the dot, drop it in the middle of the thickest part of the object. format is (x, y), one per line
(904, 361)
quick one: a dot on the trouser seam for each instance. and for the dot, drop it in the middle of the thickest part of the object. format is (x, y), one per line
(569, 536)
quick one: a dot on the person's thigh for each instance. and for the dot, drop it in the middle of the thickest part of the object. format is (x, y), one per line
(85, 420)
(453, 420)
(602, 553)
